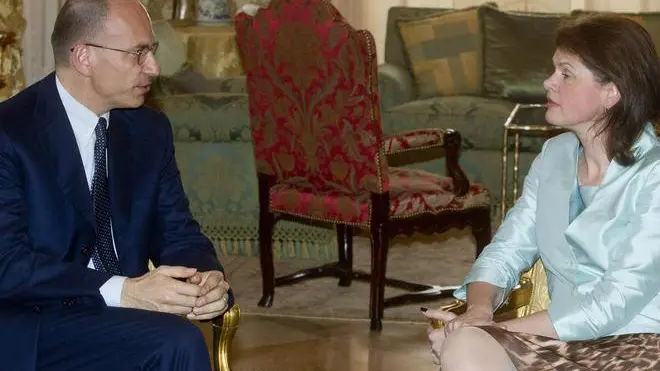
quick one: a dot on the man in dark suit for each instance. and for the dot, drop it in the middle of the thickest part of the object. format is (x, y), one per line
(89, 194)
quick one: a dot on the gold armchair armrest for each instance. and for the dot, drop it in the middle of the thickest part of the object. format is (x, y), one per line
(519, 297)
(224, 329)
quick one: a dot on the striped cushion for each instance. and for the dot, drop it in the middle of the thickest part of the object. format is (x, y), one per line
(445, 53)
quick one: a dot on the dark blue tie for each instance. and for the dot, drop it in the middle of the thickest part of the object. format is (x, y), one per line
(104, 256)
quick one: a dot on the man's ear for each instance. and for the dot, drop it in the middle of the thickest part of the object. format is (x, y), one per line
(611, 95)
(81, 59)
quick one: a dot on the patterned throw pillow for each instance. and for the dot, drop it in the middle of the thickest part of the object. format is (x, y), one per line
(445, 53)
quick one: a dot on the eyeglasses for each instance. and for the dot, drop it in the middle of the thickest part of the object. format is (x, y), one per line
(141, 53)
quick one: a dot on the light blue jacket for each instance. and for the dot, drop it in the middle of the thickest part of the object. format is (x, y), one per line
(604, 267)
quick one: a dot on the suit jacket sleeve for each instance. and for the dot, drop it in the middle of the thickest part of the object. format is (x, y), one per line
(630, 282)
(513, 249)
(180, 240)
(27, 276)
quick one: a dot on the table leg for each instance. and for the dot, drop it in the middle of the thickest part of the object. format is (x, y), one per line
(516, 166)
(505, 152)
(181, 9)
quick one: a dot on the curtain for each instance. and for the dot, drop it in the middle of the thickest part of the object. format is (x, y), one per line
(354, 11)
(370, 15)
(37, 52)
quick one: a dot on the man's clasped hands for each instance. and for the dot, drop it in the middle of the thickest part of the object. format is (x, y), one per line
(178, 290)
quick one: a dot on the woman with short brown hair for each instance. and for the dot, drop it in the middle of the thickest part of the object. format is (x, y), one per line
(590, 210)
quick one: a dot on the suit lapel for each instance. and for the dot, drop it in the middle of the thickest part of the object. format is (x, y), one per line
(553, 201)
(609, 184)
(59, 143)
(119, 174)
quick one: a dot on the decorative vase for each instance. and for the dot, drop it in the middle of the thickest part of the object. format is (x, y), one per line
(212, 10)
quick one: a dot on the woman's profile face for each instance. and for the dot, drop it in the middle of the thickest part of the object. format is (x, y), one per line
(575, 98)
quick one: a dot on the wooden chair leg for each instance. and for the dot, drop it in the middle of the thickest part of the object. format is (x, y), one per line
(345, 252)
(380, 211)
(224, 329)
(266, 224)
(481, 230)
(379, 241)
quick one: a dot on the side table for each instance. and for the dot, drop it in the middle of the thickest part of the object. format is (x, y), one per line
(515, 125)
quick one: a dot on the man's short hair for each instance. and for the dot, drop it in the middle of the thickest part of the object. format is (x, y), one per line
(77, 21)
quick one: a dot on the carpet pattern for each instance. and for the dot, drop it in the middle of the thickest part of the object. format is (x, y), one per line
(439, 259)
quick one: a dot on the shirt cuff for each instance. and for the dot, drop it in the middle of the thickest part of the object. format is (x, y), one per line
(111, 291)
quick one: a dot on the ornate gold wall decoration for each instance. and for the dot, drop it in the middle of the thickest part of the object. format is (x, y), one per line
(12, 26)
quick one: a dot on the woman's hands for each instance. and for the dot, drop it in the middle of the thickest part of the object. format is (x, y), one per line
(482, 297)
(474, 316)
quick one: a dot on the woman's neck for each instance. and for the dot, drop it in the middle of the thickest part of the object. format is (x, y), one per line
(594, 161)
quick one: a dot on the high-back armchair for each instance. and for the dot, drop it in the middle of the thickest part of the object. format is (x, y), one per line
(321, 154)
(314, 105)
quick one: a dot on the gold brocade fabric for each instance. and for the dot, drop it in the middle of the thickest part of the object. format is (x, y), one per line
(539, 299)
(210, 48)
(12, 26)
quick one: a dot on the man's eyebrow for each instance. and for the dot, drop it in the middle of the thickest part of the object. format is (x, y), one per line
(144, 45)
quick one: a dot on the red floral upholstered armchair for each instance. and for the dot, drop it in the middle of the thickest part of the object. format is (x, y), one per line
(321, 154)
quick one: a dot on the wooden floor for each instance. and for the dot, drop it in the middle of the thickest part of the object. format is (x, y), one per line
(266, 343)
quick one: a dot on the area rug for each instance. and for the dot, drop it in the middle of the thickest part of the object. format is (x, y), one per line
(439, 259)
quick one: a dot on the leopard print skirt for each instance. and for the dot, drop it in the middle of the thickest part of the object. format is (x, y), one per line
(637, 352)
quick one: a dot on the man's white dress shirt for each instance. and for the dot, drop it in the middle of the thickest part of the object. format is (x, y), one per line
(83, 121)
